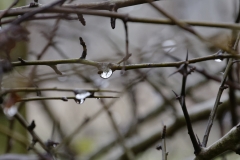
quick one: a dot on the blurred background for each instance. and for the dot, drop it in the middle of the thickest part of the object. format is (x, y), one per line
(148, 103)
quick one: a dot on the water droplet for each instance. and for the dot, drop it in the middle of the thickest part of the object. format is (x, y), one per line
(106, 73)
(218, 60)
(64, 99)
(82, 95)
(10, 112)
(82, 101)
(77, 101)
(97, 98)
(169, 46)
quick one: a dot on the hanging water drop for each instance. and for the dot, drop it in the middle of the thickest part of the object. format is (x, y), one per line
(11, 111)
(82, 95)
(218, 60)
(82, 101)
(106, 73)
(77, 101)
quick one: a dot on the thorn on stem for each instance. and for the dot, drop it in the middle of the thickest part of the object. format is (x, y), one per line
(164, 131)
(224, 87)
(31, 126)
(21, 60)
(177, 96)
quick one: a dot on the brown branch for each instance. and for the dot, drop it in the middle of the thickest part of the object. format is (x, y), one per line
(228, 142)
(216, 104)
(63, 10)
(35, 137)
(5, 11)
(114, 66)
(129, 153)
(58, 98)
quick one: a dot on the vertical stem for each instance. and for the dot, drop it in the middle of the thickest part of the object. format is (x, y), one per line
(215, 107)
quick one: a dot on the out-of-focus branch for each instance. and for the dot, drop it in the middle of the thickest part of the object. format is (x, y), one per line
(189, 29)
(33, 134)
(105, 5)
(129, 153)
(10, 90)
(5, 11)
(64, 10)
(199, 112)
(18, 157)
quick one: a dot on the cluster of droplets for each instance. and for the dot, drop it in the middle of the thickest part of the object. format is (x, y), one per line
(80, 96)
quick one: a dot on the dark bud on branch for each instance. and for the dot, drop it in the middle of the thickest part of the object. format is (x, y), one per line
(113, 20)
(164, 132)
(31, 126)
(84, 53)
(81, 19)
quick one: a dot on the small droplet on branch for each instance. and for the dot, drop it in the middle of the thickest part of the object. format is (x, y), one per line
(106, 74)
(105, 70)
(80, 96)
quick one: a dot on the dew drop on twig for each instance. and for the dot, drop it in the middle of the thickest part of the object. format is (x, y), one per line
(10, 112)
(106, 73)
(81, 95)
(218, 60)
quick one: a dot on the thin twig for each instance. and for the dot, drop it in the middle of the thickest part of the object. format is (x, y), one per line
(64, 10)
(5, 11)
(164, 149)
(181, 99)
(69, 138)
(33, 134)
(121, 140)
(58, 98)
(216, 104)
(127, 67)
